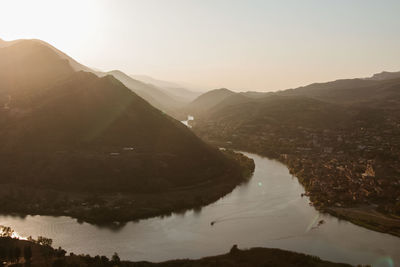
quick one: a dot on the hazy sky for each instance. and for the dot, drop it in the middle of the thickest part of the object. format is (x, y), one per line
(239, 44)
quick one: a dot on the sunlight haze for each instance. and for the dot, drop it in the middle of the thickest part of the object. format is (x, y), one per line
(227, 133)
(241, 45)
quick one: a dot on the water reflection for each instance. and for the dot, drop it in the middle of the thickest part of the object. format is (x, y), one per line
(268, 211)
(186, 122)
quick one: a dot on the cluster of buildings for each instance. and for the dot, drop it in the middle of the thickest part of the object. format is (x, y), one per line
(338, 167)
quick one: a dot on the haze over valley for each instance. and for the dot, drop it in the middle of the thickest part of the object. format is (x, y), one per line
(199, 133)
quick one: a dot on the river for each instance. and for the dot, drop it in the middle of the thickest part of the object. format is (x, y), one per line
(268, 211)
(186, 122)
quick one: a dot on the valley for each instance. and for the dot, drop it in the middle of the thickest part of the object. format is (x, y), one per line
(199, 133)
(345, 154)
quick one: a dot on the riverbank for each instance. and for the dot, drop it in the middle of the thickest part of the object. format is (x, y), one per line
(368, 217)
(37, 253)
(333, 184)
(336, 203)
(114, 209)
(258, 213)
(365, 215)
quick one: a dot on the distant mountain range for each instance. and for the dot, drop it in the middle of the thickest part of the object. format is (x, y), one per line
(183, 92)
(337, 104)
(385, 75)
(166, 96)
(382, 86)
(156, 96)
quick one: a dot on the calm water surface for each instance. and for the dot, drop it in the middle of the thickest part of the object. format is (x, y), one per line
(268, 211)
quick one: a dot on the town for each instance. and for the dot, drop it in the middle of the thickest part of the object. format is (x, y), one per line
(339, 168)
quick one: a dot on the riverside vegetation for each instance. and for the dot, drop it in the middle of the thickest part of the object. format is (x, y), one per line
(39, 252)
(116, 208)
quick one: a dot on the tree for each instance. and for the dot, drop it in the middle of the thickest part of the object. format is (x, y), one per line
(60, 252)
(104, 260)
(59, 263)
(44, 241)
(6, 231)
(17, 253)
(3, 252)
(115, 259)
(10, 254)
(27, 253)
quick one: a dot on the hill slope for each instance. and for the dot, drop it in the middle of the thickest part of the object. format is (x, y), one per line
(385, 75)
(177, 90)
(349, 91)
(208, 100)
(28, 66)
(169, 100)
(73, 131)
(154, 95)
(341, 139)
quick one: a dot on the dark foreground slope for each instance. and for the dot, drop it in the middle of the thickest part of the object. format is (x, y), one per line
(39, 253)
(341, 139)
(67, 131)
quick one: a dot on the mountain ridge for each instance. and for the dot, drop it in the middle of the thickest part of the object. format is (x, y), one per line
(71, 133)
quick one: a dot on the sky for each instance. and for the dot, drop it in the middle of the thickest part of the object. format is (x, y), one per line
(242, 45)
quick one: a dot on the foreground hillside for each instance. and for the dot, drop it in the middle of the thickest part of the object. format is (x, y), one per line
(65, 132)
(40, 253)
(341, 139)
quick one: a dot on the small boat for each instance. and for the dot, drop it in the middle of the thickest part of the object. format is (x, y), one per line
(212, 223)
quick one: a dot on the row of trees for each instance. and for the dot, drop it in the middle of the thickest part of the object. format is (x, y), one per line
(14, 253)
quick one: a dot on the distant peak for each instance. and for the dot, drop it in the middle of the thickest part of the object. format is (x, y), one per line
(117, 72)
(384, 75)
(222, 90)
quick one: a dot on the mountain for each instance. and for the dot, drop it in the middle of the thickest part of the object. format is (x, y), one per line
(184, 86)
(72, 62)
(169, 100)
(385, 75)
(253, 94)
(28, 66)
(154, 95)
(238, 112)
(377, 90)
(208, 100)
(318, 105)
(341, 139)
(156, 82)
(5, 43)
(348, 91)
(177, 90)
(74, 131)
